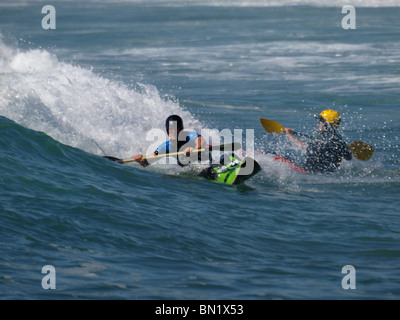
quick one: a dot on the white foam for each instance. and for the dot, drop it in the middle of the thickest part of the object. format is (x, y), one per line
(78, 107)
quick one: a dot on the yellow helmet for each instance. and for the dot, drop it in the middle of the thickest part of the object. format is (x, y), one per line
(330, 116)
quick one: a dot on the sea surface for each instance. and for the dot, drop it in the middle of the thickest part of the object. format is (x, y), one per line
(105, 79)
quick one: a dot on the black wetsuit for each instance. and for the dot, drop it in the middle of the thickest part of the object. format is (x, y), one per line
(325, 155)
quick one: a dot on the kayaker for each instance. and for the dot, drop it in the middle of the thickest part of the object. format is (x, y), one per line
(325, 154)
(177, 139)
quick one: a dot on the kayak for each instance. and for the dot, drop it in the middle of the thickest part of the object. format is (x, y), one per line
(236, 171)
(233, 171)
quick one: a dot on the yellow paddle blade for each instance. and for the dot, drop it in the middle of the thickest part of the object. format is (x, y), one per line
(272, 126)
(361, 150)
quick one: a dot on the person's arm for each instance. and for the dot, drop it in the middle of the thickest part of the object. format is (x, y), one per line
(294, 140)
(162, 148)
(199, 143)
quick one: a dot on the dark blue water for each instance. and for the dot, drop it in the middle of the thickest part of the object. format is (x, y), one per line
(111, 73)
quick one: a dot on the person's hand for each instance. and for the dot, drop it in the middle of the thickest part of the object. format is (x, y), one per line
(289, 131)
(294, 140)
(188, 151)
(141, 160)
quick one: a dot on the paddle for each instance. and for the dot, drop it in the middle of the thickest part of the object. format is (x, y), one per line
(361, 150)
(224, 147)
(274, 127)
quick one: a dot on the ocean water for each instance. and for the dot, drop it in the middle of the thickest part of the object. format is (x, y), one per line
(112, 71)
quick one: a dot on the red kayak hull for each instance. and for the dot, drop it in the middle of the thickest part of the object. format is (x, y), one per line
(293, 166)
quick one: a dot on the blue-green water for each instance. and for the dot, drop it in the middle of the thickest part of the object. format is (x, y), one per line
(112, 71)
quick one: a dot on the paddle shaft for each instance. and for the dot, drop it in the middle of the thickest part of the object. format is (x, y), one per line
(171, 154)
(225, 147)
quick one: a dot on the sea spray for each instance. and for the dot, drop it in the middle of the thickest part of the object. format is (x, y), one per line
(78, 107)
